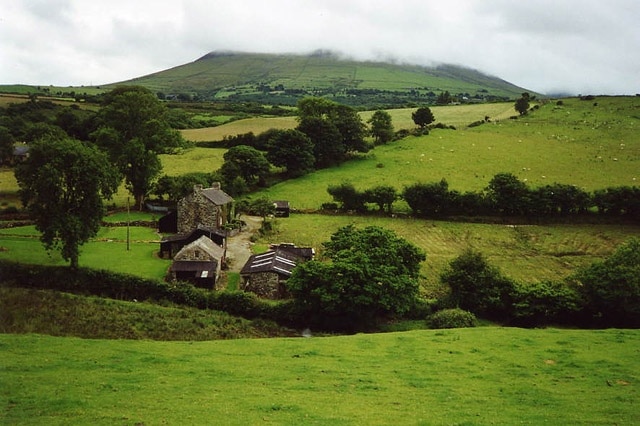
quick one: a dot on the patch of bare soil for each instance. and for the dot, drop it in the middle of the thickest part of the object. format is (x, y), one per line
(239, 246)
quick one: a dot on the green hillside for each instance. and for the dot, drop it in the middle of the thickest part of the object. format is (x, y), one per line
(282, 79)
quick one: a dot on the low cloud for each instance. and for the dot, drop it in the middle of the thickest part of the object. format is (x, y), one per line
(586, 46)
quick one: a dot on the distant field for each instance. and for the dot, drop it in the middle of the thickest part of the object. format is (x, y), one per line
(480, 376)
(192, 160)
(457, 115)
(255, 125)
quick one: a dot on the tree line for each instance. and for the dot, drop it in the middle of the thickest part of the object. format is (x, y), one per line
(505, 195)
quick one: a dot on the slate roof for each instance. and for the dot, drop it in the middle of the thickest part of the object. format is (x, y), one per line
(307, 253)
(206, 245)
(278, 261)
(217, 196)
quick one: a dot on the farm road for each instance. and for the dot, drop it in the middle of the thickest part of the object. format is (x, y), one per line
(239, 246)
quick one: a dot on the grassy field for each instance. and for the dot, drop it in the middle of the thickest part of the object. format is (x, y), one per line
(527, 253)
(589, 146)
(467, 376)
(456, 115)
(107, 251)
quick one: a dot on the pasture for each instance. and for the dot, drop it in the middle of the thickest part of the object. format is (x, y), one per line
(486, 375)
(107, 251)
(526, 253)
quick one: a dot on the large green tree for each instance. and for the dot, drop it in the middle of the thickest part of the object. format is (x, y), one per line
(291, 149)
(333, 128)
(382, 195)
(63, 184)
(245, 162)
(135, 130)
(372, 273)
(381, 127)
(522, 103)
(328, 149)
(422, 117)
(508, 194)
(6, 145)
(611, 289)
(477, 286)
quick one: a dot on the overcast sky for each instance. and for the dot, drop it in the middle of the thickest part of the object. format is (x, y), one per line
(548, 46)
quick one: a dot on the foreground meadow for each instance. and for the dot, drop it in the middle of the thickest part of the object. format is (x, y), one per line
(463, 376)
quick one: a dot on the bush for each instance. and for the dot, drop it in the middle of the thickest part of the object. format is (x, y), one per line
(478, 286)
(611, 289)
(544, 303)
(452, 318)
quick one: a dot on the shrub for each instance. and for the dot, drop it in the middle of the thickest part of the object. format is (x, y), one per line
(452, 318)
(611, 289)
(478, 287)
(544, 303)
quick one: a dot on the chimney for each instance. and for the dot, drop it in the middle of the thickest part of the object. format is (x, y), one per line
(215, 185)
(197, 188)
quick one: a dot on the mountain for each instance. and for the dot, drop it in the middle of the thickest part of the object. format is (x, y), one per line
(284, 78)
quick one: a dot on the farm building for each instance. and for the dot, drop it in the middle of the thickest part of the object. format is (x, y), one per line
(208, 207)
(306, 253)
(168, 224)
(199, 262)
(282, 208)
(265, 274)
(171, 245)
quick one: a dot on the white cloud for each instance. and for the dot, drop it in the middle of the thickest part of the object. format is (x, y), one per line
(585, 46)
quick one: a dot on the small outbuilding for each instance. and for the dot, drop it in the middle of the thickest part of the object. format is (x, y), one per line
(171, 245)
(265, 274)
(282, 208)
(199, 262)
(168, 224)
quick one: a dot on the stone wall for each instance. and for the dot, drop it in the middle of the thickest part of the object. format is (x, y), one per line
(264, 284)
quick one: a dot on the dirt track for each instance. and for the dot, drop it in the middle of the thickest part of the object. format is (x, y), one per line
(239, 247)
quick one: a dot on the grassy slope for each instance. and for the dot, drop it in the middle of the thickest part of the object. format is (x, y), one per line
(62, 314)
(578, 143)
(466, 376)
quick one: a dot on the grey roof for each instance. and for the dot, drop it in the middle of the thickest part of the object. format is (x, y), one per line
(204, 244)
(278, 261)
(307, 253)
(217, 196)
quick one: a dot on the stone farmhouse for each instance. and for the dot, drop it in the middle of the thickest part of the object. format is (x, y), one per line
(198, 250)
(208, 207)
